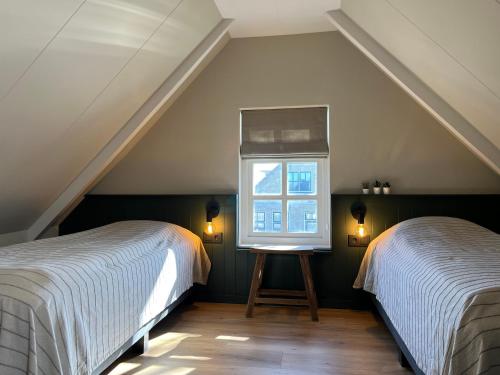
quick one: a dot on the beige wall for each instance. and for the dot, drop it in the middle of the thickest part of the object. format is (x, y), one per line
(377, 131)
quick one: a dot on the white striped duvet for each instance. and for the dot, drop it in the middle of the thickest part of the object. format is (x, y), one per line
(67, 303)
(438, 279)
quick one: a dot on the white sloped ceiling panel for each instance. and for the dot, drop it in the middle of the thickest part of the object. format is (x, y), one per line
(468, 31)
(45, 119)
(26, 27)
(453, 46)
(184, 29)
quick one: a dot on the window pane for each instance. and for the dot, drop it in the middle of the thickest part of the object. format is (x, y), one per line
(267, 216)
(302, 216)
(302, 178)
(276, 221)
(266, 178)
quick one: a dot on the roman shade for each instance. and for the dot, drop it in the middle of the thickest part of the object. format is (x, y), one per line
(300, 132)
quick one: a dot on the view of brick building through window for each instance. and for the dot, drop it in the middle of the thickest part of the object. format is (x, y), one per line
(301, 214)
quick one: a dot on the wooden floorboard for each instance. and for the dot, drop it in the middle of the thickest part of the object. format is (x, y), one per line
(209, 338)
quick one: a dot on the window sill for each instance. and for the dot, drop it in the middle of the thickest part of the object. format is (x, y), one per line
(320, 250)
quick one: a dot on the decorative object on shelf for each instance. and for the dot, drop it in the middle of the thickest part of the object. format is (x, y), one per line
(366, 188)
(386, 188)
(377, 187)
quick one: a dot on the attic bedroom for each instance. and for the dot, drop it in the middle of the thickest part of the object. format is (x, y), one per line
(249, 187)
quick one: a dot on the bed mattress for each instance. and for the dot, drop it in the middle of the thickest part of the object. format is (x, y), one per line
(68, 303)
(438, 279)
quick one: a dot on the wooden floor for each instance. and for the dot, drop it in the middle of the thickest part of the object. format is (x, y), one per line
(209, 338)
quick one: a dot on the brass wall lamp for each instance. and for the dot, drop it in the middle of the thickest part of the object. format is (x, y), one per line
(210, 235)
(360, 237)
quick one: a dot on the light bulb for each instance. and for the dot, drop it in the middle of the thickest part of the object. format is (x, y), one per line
(360, 230)
(210, 228)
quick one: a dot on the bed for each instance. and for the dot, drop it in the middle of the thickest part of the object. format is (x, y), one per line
(69, 304)
(437, 281)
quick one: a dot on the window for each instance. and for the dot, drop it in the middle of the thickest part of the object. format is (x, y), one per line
(284, 193)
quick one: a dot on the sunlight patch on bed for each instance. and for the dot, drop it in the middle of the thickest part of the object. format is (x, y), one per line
(232, 338)
(165, 343)
(165, 280)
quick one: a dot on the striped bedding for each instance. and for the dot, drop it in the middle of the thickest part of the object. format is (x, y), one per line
(438, 279)
(67, 303)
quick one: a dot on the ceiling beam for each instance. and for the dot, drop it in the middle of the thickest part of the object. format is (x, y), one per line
(418, 90)
(142, 118)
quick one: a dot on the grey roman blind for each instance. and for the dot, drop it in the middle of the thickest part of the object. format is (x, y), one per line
(285, 131)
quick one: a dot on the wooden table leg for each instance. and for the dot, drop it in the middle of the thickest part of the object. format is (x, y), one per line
(256, 282)
(309, 284)
(261, 275)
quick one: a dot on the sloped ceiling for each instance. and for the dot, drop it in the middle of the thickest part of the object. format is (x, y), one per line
(72, 73)
(452, 46)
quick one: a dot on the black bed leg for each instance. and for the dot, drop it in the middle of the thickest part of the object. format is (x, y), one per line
(402, 359)
(141, 346)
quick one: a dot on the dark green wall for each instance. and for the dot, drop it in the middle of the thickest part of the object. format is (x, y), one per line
(334, 271)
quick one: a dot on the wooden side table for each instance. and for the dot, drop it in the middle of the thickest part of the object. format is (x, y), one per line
(305, 297)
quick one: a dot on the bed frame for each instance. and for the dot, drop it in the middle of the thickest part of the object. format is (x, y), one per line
(140, 339)
(405, 357)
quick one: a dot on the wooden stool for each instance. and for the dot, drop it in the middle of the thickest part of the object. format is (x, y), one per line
(258, 295)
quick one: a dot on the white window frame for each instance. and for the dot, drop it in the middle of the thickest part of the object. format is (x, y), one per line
(248, 238)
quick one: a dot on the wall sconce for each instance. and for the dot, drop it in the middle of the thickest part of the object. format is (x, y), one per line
(360, 238)
(210, 235)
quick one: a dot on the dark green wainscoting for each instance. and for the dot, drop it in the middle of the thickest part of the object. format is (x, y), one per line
(334, 271)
